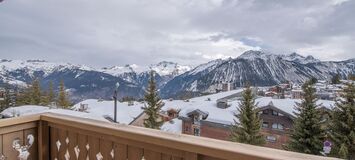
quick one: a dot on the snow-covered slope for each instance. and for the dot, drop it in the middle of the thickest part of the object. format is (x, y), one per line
(169, 68)
(138, 75)
(19, 72)
(83, 81)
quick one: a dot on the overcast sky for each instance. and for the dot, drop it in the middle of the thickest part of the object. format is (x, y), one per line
(102, 33)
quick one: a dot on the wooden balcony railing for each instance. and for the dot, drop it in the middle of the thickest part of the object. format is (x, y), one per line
(60, 137)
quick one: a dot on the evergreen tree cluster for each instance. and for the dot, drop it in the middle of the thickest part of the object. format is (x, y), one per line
(309, 130)
(7, 99)
(33, 95)
(342, 126)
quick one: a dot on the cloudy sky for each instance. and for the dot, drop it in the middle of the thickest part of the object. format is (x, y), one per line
(117, 32)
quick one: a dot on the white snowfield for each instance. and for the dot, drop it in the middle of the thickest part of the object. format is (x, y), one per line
(126, 114)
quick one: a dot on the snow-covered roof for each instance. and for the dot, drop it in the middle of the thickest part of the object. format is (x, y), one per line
(96, 110)
(125, 113)
(33, 109)
(173, 126)
(23, 110)
(226, 116)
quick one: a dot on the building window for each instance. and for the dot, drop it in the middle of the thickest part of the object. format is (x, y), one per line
(271, 138)
(265, 124)
(186, 128)
(275, 113)
(197, 131)
(277, 126)
(196, 120)
(265, 112)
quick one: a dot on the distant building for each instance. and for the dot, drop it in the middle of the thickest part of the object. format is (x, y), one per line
(275, 126)
(227, 86)
(296, 94)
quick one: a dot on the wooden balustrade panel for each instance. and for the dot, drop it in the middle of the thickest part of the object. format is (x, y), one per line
(75, 144)
(20, 132)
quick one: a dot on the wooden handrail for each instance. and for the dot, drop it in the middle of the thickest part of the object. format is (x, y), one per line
(19, 120)
(199, 145)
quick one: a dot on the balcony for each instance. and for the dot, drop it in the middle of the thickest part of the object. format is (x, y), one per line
(61, 137)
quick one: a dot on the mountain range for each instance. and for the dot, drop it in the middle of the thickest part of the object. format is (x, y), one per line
(256, 67)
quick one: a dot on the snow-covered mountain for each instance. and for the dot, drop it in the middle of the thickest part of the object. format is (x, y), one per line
(86, 82)
(83, 82)
(257, 68)
(169, 68)
(299, 58)
(165, 71)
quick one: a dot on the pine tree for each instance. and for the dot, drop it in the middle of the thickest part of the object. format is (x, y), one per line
(307, 134)
(6, 102)
(153, 106)
(342, 125)
(36, 93)
(51, 95)
(336, 79)
(62, 98)
(249, 126)
(44, 99)
(351, 77)
(24, 97)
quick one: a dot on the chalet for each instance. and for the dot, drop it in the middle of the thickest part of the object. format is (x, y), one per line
(276, 114)
(275, 126)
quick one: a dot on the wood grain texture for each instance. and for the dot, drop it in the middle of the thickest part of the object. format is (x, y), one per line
(53, 143)
(120, 151)
(8, 151)
(82, 142)
(135, 153)
(151, 155)
(106, 147)
(34, 148)
(94, 144)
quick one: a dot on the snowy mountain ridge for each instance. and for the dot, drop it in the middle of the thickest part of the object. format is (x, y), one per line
(256, 67)
(259, 69)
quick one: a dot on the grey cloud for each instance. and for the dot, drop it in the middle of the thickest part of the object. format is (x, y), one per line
(103, 33)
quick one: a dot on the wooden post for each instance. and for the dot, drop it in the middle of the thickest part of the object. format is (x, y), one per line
(43, 140)
(190, 156)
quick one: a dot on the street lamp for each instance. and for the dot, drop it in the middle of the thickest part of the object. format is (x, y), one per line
(115, 102)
